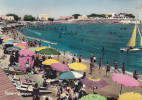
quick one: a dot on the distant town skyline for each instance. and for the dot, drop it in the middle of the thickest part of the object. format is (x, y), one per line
(57, 8)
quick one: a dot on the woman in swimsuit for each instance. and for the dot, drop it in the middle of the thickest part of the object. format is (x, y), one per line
(36, 92)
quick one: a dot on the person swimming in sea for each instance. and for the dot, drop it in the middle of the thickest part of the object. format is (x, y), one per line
(103, 49)
(59, 36)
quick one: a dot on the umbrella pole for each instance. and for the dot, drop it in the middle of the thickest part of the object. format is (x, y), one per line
(121, 89)
(93, 90)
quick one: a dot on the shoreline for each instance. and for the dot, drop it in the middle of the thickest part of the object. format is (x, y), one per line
(107, 91)
(70, 55)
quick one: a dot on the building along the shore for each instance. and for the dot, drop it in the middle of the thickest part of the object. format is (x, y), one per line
(82, 17)
(43, 17)
(66, 17)
(8, 18)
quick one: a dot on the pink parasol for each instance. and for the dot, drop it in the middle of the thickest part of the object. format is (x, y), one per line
(26, 52)
(21, 44)
(60, 67)
(5, 37)
(124, 80)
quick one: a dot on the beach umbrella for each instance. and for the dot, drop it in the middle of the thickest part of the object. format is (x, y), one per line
(60, 67)
(6, 40)
(48, 51)
(40, 48)
(33, 48)
(15, 41)
(5, 37)
(93, 97)
(22, 47)
(130, 96)
(26, 52)
(94, 82)
(21, 44)
(77, 66)
(13, 48)
(124, 80)
(70, 75)
(49, 61)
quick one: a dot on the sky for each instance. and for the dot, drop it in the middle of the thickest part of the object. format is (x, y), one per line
(57, 8)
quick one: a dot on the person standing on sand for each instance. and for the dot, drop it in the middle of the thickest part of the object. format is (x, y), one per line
(40, 43)
(94, 61)
(100, 62)
(107, 69)
(135, 75)
(123, 68)
(36, 92)
(11, 60)
(116, 66)
(91, 58)
(79, 58)
(73, 59)
(91, 68)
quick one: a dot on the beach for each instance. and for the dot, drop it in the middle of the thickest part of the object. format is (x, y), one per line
(112, 90)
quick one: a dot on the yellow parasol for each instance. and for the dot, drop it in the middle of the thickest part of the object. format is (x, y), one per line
(49, 61)
(130, 96)
(22, 47)
(77, 66)
(41, 48)
(6, 40)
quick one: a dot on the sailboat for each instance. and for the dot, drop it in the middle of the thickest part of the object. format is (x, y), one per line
(132, 42)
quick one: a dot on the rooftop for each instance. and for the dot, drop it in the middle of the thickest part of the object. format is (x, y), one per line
(7, 86)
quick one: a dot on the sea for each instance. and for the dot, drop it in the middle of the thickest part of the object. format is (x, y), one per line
(90, 38)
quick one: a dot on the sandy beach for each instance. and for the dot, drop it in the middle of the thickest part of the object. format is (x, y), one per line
(110, 91)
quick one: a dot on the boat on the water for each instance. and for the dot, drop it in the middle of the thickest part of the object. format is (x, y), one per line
(132, 42)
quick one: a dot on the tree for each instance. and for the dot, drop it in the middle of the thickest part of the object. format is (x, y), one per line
(15, 16)
(97, 15)
(51, 19)
(76, 16)
(130, 15)
(29, 18)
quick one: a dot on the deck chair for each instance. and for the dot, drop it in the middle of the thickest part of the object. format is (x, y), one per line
(38, 81)
(16, 78)
(11, 79)
(29, 77)
(19, 84)
(16, 67)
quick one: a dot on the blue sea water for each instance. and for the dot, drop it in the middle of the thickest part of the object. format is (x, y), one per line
(89, 38)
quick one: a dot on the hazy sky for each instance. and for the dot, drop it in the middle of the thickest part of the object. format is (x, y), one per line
(57, 8)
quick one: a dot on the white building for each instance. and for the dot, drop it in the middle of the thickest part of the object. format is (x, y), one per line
(43, 17)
